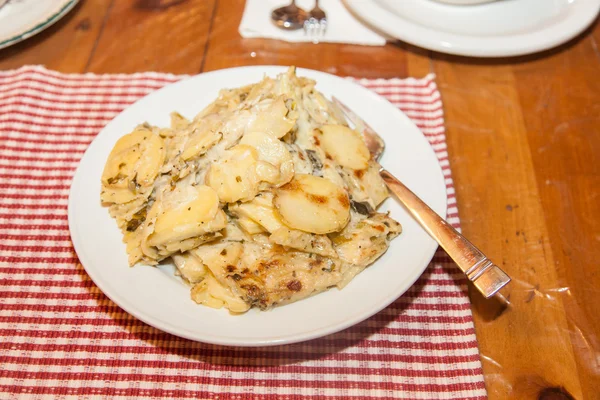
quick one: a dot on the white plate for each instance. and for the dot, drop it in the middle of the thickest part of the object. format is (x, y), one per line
(158, 298)
(497, 29)
(21, 19)
(466, 2)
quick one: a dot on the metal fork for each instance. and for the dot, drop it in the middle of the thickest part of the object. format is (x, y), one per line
(486, 276)
(316, 24)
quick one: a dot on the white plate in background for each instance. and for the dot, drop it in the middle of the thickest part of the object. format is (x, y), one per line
(21, 19)
(156, 297)
(465, 2)
(497, 29)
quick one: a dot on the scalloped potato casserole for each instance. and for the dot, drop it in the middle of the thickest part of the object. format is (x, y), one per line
(266, 197)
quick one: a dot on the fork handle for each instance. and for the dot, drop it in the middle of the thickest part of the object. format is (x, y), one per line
(486, 277)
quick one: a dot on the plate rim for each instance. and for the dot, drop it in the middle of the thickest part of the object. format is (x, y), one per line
(38, 27)
(427, 253)
(453, 43)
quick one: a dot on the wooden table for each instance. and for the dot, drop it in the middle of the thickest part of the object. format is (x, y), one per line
(523, 137)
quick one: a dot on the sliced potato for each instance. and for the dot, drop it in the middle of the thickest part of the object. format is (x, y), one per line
(233, 233)
(133, 165)
(152, 158)
(366, 185)
(345, 146)
(190, 267)
(118, 195)
(373, 184)
(259, 210)
(271, 150)
(210, 293)
(180, 246)
(273, 120)
(234, 176)
(173, 240)
(312, 204)
(249, 226)
(190, 212)
(220, 259)
(178, 121)
(307, 242)
(200, 142)
(218, 256)
(268, 175)
(365, 240)
(123, 158)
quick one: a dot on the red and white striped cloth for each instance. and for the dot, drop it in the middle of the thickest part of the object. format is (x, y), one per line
(61, 338)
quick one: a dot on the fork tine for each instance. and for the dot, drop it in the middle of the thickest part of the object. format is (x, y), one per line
(313, 29)
(309, 27)
(323, 26)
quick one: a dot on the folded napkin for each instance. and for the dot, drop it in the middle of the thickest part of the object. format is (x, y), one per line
(61, 337)
(342, 27)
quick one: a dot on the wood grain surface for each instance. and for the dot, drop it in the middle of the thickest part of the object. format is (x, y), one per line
(523, 136)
